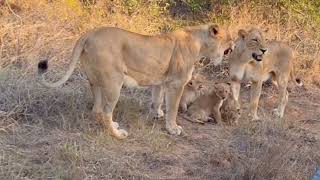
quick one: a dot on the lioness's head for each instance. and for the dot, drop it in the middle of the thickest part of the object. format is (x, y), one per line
(252, 43)
(215, 43)
(222, 90)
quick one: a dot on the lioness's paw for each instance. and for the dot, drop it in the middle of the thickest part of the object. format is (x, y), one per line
(158, 114)
(123, 133)
(120, 133)
(277, 113)
(115, 125)
(175, 130)
(254, 117)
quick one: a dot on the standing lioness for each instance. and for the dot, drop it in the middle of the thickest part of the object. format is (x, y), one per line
(112, 57)
(257, 61)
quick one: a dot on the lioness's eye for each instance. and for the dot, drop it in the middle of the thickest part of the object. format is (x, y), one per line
(255, 40)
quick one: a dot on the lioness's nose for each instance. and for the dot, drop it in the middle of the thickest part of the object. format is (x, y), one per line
(263, 50)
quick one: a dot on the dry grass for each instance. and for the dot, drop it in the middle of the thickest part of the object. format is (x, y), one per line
(51, 134)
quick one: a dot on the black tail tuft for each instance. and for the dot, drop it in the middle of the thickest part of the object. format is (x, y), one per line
(42, 66)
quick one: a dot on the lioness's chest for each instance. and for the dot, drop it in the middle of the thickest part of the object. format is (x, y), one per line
(253, 72)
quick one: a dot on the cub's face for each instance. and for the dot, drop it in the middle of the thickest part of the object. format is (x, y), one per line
(195, 85)
(222, 90)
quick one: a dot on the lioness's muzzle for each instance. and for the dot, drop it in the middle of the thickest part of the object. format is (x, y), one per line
(257, 57)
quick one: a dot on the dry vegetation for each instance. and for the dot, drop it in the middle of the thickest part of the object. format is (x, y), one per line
(50, 133)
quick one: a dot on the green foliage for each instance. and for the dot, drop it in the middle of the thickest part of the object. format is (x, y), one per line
(304, 10)
(195, 5)
(132, 5)
(156, 9)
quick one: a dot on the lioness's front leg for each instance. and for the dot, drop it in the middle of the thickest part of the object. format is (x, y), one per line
(254, 101)
(173, 96)
(157, 100)
(235, 88)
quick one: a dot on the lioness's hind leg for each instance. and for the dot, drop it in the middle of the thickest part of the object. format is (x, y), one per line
(97, 99)
(110, 95)
(235, 88)
(97, 108)
(254, 99)
(283, 96)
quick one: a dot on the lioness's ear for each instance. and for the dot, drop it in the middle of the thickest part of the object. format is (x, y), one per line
(213, 30)
(242, 33)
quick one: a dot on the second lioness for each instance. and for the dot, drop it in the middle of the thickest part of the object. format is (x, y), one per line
(254, 60)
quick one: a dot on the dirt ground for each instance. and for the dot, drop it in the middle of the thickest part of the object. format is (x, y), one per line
(51, 134)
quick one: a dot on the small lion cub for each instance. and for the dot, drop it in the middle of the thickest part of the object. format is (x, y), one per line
(230, 113)
(191, 91)
(209, 103)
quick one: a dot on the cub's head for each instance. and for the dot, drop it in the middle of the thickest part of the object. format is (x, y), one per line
(196, 83)
(252, 43)
(215, 43)
(222, 90)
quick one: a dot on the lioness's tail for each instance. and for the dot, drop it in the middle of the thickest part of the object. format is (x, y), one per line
(43, 65)
(297, 81)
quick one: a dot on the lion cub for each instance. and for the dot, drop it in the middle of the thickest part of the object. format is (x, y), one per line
(209, 103)
(191, 91)
(230, 113)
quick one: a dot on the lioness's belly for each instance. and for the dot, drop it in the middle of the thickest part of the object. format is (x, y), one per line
(130, 82)
(136, 80)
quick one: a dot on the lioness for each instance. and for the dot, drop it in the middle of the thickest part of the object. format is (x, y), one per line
(254, 60)
(209, 103)
(191, 91)
(112, 57)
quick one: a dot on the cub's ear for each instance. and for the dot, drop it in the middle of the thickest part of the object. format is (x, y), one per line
(242, 33)
(214, 30)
